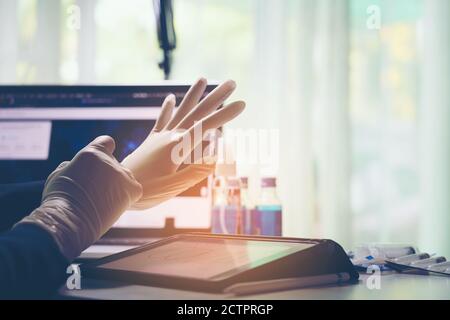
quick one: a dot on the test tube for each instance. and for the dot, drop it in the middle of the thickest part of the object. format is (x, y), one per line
(427, 262)
(440, 267)
(411, 258)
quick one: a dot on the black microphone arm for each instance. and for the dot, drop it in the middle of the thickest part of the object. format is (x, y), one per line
(166, 33)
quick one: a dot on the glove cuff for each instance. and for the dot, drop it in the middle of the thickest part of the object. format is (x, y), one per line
(55, 217)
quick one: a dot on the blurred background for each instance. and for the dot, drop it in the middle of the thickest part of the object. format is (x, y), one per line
(358, 89)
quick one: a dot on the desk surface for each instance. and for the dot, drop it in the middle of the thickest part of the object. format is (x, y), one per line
(393, 286)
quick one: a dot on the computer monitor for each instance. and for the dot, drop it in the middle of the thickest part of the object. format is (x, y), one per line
(41, 126)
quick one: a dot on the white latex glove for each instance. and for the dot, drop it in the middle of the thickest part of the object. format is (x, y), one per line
(84, 197)
(152, 163)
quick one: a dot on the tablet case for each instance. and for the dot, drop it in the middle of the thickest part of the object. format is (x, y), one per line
(324, 257)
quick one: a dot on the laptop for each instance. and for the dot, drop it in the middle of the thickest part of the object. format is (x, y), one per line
(41, 126)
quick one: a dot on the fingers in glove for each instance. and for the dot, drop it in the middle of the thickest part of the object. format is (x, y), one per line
(208, 105)
(167, 187)
(166, 113)
(190, 100)
(214, 121)
(105, 144)
(205, 152)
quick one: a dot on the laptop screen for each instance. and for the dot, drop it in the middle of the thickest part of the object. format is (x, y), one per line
(41, 126)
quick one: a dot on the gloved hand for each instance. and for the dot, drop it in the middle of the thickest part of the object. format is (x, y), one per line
(153, 163)
(84, 197)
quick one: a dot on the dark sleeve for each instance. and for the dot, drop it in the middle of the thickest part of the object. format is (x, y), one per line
(31, 265)
(18, 201)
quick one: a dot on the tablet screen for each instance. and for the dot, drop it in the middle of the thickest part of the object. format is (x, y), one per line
(204, 258)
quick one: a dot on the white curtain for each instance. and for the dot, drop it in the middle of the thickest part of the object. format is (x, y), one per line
(333, 123)
(300, 87)
(38, 56)
(87, 42)
(434, 129)
(9, 51)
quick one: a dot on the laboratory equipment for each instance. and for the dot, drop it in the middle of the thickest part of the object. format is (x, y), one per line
(226, 213)
(267, 216)
(247, 207)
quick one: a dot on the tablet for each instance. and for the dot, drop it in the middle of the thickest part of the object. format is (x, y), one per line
(200, 261)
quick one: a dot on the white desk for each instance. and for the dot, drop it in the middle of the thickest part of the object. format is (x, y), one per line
(393, 286)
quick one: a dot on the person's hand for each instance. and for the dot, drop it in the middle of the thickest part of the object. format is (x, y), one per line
(157, 164)
(84, 197)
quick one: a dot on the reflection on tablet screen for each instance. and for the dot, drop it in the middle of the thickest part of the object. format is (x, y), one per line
(204, 258)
